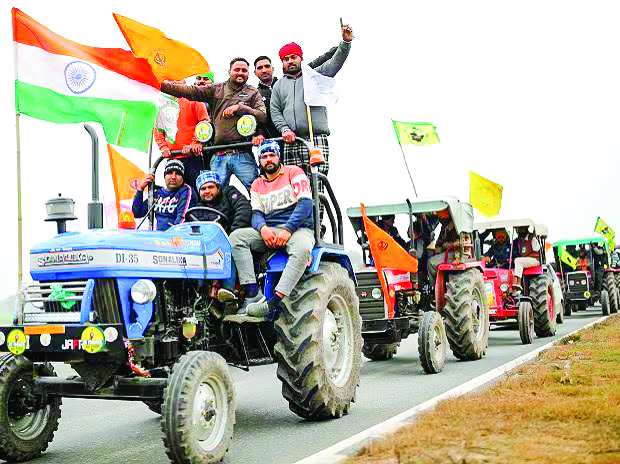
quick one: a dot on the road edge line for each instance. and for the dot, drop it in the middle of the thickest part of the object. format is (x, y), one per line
(331, 454)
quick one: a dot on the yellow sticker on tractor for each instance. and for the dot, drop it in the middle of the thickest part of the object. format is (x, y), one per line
(16, 342)
(92, 339)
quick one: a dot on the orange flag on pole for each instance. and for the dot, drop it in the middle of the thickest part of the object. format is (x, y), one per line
(169, 59)
(385, 251)
(125, 176)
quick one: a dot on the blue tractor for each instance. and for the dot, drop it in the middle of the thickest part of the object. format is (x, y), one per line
(134, 314)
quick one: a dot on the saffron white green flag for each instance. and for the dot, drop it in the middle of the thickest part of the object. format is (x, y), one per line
(62, 81)
(319, 90)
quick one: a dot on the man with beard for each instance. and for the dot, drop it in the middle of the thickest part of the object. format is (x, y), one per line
(171, 202)
(266, 80)
(235, 208)
(288, 110)
(282, 217)
(228, 102)
(205, 79)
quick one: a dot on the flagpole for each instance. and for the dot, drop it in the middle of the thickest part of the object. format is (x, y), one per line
(310, 125)
(408, 172)
(20, 298)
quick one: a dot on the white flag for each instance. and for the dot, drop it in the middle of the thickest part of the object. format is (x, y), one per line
(319, 90)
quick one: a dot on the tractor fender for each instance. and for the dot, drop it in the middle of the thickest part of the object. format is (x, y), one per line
(277, 262)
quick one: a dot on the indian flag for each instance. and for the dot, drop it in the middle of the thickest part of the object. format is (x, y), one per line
(62, 81)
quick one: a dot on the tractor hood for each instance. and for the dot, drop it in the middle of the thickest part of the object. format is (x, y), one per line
(196, 251)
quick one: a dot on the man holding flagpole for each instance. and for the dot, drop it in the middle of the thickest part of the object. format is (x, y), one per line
(288, 106)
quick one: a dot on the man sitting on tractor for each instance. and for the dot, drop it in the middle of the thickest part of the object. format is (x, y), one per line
(171, 202)
(446, 245)
(387, 224)
(527, 247)
(583, 263)
(499, 253)
(282, 217)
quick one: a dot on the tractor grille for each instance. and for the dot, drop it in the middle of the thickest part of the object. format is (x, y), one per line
(370, 308)
(577, 282)
(60, 302)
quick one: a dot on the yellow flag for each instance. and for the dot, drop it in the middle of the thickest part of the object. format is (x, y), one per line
(602, 228)
(169, 59)
(484, 195)
(125, 176)
(567, 258)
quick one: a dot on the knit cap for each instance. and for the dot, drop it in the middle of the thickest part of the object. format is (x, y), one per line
(270, 146)
(208, 176)
(174, 165)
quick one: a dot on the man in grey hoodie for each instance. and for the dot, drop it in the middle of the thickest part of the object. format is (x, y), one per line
(288, 110)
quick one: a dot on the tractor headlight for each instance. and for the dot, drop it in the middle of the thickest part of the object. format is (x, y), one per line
(504, 287)
(571, 282)
(583, 281)
(143, 291)
(376, 293)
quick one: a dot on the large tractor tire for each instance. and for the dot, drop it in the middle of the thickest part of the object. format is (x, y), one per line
(609, 284)
(466, 312)
(319, 344)
(198, 413)
(379, 352)
(605, 302)
(27, 424)
(526, 322)
(617, 281)
(541, 293)
(432, 342)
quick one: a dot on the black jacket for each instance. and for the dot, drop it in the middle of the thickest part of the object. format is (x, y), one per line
(231, 202)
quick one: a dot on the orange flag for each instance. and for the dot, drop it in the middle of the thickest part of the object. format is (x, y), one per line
(125, 177)
(385, 251)
(169, 59)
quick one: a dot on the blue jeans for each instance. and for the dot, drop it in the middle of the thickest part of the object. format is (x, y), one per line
(241, 165)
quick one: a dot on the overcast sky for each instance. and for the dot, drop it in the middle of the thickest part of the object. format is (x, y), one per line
(525, 93)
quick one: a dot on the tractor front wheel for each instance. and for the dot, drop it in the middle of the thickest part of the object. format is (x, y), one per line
(198, 412)
(526, 322)
(541, 292)
(609, 284)
(568, 308)
(378, 351)
(432, 342)
(319, 344)
(605, 302)
(467, 315)
(27, 423)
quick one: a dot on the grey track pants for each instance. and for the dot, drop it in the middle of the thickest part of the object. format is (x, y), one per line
(298, 247)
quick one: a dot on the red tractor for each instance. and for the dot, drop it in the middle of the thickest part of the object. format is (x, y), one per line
(441, 297)
(529, 298)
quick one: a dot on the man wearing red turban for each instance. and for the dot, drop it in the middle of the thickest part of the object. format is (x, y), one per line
(288, 110)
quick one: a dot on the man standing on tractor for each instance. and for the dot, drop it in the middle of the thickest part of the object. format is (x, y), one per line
(281, 218)
(171, 202)
(527, 249)
(228, 102)
(583, 264)
(446, 245)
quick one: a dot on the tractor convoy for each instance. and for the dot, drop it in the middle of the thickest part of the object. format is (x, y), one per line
(135, 314)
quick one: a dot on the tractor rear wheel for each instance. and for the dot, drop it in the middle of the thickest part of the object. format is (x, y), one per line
(27, 424)
(526, 322)
(466, 312)
(198, 413)
(432, 342)
(319, 344)
(378, 351)
(605, 302)
(609, 284)
(541, 293)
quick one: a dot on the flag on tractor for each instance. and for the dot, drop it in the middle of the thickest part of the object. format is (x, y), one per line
(385, 251)
(169, 59)
(568, 259)
(319, 90)
(484, 195)
(61, 81)
(602, 228)
(126, 177)
(415, 133)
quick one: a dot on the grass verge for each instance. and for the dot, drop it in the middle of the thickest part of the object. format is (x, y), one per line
(562, 408)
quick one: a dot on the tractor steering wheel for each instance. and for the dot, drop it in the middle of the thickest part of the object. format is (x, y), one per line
(189, 212)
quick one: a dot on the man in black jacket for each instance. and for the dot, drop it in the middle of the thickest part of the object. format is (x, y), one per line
(236, 214)
(234, 206)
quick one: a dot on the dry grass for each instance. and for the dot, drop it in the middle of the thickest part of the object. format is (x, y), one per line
(562, 408)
